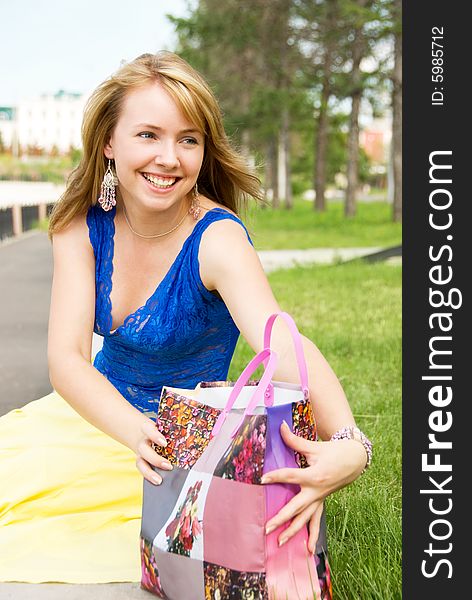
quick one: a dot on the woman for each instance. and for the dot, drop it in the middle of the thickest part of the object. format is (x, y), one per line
(163, 268)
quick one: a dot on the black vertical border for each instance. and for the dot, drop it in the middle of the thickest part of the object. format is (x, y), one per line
(428, 128)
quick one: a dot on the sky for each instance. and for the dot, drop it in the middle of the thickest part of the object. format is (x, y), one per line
(73, 45)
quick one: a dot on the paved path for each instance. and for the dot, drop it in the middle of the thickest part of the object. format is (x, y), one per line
(73, 591)
(280, 259)
(25, 278)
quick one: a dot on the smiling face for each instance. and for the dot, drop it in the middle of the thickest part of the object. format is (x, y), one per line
(158, 153)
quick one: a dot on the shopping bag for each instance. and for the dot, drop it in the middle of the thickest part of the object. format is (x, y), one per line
(203, 529)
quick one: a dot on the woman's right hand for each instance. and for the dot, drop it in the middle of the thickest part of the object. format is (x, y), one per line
(147, 456)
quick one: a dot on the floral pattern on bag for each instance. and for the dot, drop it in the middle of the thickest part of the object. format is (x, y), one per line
(222, 583)
(150, 580)
(218, 384)
(243, 461)
(303, 425)
(186, 424)
(185, 527)
(324, 576)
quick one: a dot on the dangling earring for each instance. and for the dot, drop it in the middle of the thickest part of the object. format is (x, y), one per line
(107, 198)
(195, 208)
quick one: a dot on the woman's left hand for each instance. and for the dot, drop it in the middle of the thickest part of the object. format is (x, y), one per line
(331, 466)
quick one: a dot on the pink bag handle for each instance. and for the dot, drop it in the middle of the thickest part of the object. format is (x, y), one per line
(297, 340)
(269, 358)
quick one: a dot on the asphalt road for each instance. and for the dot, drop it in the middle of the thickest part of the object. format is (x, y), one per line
(25, 283)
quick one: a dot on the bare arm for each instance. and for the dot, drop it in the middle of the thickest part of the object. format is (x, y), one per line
(71, 320)
(229, 264)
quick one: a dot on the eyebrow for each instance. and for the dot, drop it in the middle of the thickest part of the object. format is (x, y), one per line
(156, 128)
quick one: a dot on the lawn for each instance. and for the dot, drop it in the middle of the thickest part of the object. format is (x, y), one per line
(302, 227)
(353, 314)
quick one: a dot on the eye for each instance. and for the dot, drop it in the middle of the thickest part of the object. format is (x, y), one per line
(147, 135)
(190, 141)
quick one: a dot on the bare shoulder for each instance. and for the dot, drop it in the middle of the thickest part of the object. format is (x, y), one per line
(224, 234)
(225, 251)
(73, 293)
(74, 239)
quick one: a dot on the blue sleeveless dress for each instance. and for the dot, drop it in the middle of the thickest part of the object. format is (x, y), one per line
(70, 495)
(182, 335)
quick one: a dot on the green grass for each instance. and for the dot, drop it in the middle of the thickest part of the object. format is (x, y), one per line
(302, 227)
(352, 312)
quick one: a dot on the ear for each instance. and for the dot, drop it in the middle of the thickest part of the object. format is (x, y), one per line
(108, 150)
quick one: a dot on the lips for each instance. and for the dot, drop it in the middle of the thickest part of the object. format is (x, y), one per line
(159, 181)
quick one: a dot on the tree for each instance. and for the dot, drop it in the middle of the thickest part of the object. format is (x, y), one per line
(368, 26)
(318, 36)
(282, 70)
(244, 51)
(397, 113)
(358, 51)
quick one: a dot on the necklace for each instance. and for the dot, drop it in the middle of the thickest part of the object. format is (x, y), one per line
(157, 234)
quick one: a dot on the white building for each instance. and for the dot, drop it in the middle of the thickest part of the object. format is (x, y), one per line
(50, 122)
(7, 125)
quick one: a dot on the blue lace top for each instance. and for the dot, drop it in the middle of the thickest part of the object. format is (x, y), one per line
(182, 335)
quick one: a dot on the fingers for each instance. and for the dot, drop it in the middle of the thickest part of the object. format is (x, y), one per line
(147, 457)
(144, 468)
(150, 431)
(286, 475)
(146, 452)
(295, 441)
(310, 514)
(314, 528)
(296, 505)
(297, 523)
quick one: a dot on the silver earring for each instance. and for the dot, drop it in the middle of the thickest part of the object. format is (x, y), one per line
(107, 198)
(195, 208)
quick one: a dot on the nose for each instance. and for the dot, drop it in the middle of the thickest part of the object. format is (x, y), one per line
(167, 155)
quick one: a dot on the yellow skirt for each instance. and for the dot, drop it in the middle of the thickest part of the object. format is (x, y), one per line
(70, 499)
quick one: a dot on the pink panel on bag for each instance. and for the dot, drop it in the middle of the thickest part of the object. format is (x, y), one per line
(233, 525)
(291, 571)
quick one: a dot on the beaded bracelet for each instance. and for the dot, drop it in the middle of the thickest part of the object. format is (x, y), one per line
(354, 433)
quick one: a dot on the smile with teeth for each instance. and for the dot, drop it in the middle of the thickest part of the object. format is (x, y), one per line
(160, 182)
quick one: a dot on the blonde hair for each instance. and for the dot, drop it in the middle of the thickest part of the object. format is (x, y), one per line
(224, 177)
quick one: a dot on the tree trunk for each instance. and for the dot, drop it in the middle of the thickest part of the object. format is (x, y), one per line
(285, 183)
(269, 174)
(282, 173)
(275, 172)
(355, 76)
(352, 157)
(321, 141)
(397, 121)
(246, 143)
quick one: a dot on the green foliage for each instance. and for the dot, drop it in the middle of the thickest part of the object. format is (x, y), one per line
(302, 227)
(263, 57)
(352, 312)
(303, 153)
(75, 156)
(55, 169)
